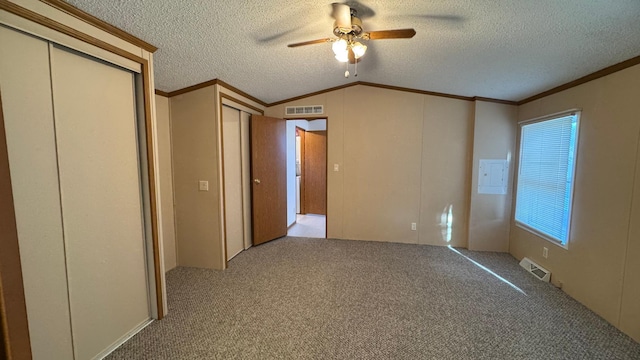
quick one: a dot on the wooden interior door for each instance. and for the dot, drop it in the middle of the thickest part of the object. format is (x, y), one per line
(315, 172)
(269, 174)
(301, 135)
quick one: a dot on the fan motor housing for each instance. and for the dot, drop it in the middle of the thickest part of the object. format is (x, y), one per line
(356, 28)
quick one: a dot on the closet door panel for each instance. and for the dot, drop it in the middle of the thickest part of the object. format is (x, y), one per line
(28, 114)
(232, 182)
(100, 189)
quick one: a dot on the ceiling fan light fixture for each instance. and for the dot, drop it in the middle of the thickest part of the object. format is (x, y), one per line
(343, 56)
(348, 28)
(339, 47)
(358, 49)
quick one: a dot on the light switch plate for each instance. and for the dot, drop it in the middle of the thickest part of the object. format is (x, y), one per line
(336, 167)
(203, 185)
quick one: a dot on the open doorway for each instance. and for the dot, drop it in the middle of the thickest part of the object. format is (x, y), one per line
(307, 178)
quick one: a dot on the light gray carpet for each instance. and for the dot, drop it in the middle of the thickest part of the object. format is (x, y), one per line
(300, 298)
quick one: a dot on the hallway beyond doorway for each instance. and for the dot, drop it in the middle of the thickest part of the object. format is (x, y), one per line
(309, 225)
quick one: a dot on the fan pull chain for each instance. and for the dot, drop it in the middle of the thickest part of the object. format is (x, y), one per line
(346, 73)
(356, 71)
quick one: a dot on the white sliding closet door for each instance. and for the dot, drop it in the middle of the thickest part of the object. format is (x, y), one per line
(28, 115)
(232, 181)
(95, 125)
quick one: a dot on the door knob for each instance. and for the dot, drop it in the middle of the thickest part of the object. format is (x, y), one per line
(257, 181)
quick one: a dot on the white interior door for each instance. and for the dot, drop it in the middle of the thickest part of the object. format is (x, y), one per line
(234, 214)
(95, 125)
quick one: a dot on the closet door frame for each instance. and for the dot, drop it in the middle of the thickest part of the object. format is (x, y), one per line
(14, 325)
(234, 103)
(11, 291)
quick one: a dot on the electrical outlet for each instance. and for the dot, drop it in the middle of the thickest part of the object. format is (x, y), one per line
(545, 252)
(413, 226)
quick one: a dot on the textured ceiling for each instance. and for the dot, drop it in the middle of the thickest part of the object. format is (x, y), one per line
(497, 49)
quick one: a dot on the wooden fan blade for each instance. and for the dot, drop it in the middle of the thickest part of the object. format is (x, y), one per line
(392, 34)
(310, 42)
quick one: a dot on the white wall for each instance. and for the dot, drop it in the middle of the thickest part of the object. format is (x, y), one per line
(291, 172)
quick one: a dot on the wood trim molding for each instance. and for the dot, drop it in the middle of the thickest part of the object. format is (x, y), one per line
(302, 133)
(223, 195)
(211, 83)
(424, 92)
(195, 87)
(382, 86)
(397, 88)
(497, 101)
(240, 92)
(161, 93)
(94, 21)
(240, 102)
(14, 325)
(314, 93)
(146, 76)
(593, 76)
(308, 118)
(52, 24)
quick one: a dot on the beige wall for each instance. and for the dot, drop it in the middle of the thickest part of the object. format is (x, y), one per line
(630, 309)
(604, 237)
(494, 137)
(166, 182)
(403, 157)
(447, 144)
(196, 157)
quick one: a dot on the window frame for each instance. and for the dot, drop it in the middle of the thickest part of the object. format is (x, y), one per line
(526, 227)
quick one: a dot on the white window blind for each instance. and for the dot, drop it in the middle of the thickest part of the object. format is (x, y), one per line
(545, 176)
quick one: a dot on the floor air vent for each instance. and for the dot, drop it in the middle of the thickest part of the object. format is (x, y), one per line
(304, 110)
(535, 269)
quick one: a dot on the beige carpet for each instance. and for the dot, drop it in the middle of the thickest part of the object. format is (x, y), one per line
(329, 299)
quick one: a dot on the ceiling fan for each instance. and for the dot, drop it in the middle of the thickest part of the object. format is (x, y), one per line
(348, 30)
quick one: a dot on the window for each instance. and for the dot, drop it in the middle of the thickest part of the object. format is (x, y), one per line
(545, 176)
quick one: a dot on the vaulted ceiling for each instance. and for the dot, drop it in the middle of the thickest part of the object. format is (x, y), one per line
(506, 50)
